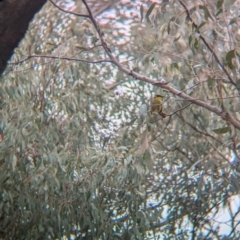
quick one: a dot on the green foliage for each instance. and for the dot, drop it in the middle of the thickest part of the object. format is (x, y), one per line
(82, 157)
(221, 130)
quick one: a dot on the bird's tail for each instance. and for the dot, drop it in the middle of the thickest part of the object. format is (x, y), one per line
(163, 115)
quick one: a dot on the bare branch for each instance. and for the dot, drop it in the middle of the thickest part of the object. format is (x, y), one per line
(223, 114)
(66, 11)
(64, 58)
(206, 43)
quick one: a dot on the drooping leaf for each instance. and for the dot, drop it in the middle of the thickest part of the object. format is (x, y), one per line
(211, 83)
(206, 12)
(221, 130)
(149, 11)
(229, 58)
(201, 25)
(177, 38)
(144, 143)
(219, 7)
(238, 84)
(148, 160)
(141, 12)
(169, 24)
(176, 66)
(220, 4)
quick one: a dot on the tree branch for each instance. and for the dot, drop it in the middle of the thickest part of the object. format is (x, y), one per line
(64, 58)
(66, 11)
(224, 115)
(206, 43)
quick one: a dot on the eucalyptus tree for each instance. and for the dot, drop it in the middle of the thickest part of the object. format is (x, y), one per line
(81, 155)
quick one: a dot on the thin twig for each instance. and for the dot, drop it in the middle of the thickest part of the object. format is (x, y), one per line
(223, 114)
(180, 109)
(206, 43)
(64, 58)
(66, 11)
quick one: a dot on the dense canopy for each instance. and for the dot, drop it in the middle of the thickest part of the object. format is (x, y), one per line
(83, 158)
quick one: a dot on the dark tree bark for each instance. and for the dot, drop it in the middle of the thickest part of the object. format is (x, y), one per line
(15, 16)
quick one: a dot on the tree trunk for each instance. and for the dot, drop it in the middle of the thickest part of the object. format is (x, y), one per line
(15, 16)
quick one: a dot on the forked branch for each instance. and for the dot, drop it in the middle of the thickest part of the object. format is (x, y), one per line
(223, 114)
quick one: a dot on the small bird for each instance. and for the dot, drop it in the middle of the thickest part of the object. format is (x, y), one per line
(157, 106)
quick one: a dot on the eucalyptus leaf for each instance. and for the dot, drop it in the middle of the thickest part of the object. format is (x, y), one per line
(222, 130)
(149, 11)
(229, 58)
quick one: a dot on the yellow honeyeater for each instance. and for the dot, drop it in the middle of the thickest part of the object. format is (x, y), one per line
(157, 106)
